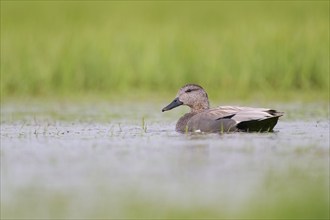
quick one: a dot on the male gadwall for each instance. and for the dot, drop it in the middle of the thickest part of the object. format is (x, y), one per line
(220, 119)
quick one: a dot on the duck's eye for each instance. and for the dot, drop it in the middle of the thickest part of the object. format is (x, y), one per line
(188, 90)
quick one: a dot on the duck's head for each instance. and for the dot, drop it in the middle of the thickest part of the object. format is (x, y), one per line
(191, 95)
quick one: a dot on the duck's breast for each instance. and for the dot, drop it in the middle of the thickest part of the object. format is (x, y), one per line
(181, 125)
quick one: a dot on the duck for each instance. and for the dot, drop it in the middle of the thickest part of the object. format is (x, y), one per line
(202, 118)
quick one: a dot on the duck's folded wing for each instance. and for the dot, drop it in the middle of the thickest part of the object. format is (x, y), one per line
(249, 115)
(221, 112)
(244, 113)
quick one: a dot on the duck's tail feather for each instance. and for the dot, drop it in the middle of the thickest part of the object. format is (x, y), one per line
(275, 113)
(264, 125)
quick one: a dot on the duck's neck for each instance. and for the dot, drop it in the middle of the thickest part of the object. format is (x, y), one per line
(199, 107)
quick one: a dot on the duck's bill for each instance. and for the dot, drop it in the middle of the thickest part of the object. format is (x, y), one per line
(176, 102)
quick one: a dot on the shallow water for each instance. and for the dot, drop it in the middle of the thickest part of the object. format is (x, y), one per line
(126, 161)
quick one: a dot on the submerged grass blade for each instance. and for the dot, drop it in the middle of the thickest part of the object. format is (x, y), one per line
(144, 125)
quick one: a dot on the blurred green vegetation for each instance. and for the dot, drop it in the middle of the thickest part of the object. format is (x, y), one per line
(234, 49)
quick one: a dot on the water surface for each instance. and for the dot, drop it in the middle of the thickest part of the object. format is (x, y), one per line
(125, 161)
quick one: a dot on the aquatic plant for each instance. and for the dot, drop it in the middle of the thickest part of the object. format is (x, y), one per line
(144, 125)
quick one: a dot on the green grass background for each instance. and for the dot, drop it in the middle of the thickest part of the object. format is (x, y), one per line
(240, 49)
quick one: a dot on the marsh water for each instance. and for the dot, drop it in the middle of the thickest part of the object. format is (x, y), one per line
(125, 160)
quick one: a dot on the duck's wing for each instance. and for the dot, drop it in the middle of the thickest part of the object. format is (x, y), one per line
(240, 114)
(221, 112)
(252, 119)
